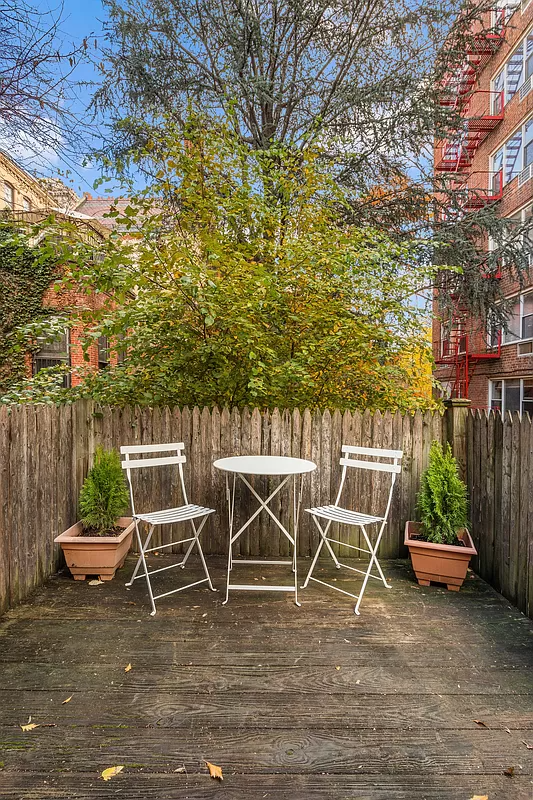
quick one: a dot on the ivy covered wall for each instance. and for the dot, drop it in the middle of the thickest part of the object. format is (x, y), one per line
(25, 275)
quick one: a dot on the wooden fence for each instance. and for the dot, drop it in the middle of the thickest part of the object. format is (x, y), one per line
(500, 479)
(45, 453)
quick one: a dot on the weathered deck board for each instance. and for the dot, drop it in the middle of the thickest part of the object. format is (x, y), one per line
(292, 703)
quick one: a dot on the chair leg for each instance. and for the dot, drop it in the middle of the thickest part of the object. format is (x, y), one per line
(375, 549)
(201, 552)
(145, 565)
(323, 541)
(318, 550)
(139, 560)
(373, 560)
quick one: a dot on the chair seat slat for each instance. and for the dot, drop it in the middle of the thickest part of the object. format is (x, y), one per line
(343, 515)
(169, 515)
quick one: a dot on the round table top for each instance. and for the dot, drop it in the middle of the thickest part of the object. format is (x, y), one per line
(265, 465)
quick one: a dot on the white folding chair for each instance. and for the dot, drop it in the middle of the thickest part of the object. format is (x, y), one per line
(169, 516)
(343, 516)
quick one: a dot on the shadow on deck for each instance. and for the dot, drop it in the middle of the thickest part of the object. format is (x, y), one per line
(293, 704)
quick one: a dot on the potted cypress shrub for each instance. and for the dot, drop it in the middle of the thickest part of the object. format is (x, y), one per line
(440, 544)
(99, 542)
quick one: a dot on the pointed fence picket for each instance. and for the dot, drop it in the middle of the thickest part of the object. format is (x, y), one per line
(45, 453)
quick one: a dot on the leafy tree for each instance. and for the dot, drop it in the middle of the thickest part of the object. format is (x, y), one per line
(242, 284)
(364, 80)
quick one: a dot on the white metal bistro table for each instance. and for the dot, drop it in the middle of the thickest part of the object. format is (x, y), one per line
(285, 468)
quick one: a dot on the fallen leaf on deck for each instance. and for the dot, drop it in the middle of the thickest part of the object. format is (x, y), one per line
(480, 722)
(337, 667)
(127, 668)
(67, 700)
(214, 771)
(529, 746)
(509, 772)
(110, 772)
(95, 582)
(30, 726)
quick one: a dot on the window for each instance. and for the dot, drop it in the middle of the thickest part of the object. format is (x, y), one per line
(503, 11)
(51, 353)
(516, 71)
(515, 394)
(26, 204)
(453, 339)
(515, 155)
(103, 352)
(9, 195)
(520, 324)
(519, 231)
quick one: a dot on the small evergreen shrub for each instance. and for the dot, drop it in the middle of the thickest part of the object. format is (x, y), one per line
(104, 495)
(442, 500)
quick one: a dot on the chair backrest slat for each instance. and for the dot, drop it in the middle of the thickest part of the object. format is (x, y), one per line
(378, 466)
(371, 451)
(152, 462)
(175, 456)
(392, 466)
(152, 448)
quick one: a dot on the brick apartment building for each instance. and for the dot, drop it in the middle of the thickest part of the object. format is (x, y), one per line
(27, 200)
(494, 92)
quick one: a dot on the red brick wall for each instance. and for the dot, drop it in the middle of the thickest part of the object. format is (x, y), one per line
(66, 301)
(514, 198)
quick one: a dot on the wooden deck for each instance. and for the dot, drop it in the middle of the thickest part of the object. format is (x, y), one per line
(298, 704)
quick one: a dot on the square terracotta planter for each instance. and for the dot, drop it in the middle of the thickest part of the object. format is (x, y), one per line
(95, 555)
(441, 563)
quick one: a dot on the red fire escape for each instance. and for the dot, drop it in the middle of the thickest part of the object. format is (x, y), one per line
(480, 111)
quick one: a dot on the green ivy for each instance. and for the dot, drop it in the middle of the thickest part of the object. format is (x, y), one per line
(25, 275)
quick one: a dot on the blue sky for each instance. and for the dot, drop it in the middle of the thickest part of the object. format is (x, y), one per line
(80, 19)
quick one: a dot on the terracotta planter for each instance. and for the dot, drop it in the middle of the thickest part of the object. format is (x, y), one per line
(95, 555)
(442, 563)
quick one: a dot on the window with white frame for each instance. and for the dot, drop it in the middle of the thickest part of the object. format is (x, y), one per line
(9, 195)
(513, 394)
(517, 70)
(520, 324)
(503, 11)
(519, 230)
(515, 154)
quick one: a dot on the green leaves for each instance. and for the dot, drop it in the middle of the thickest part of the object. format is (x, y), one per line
(442, 501)
(242, 285)
(104, 494)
